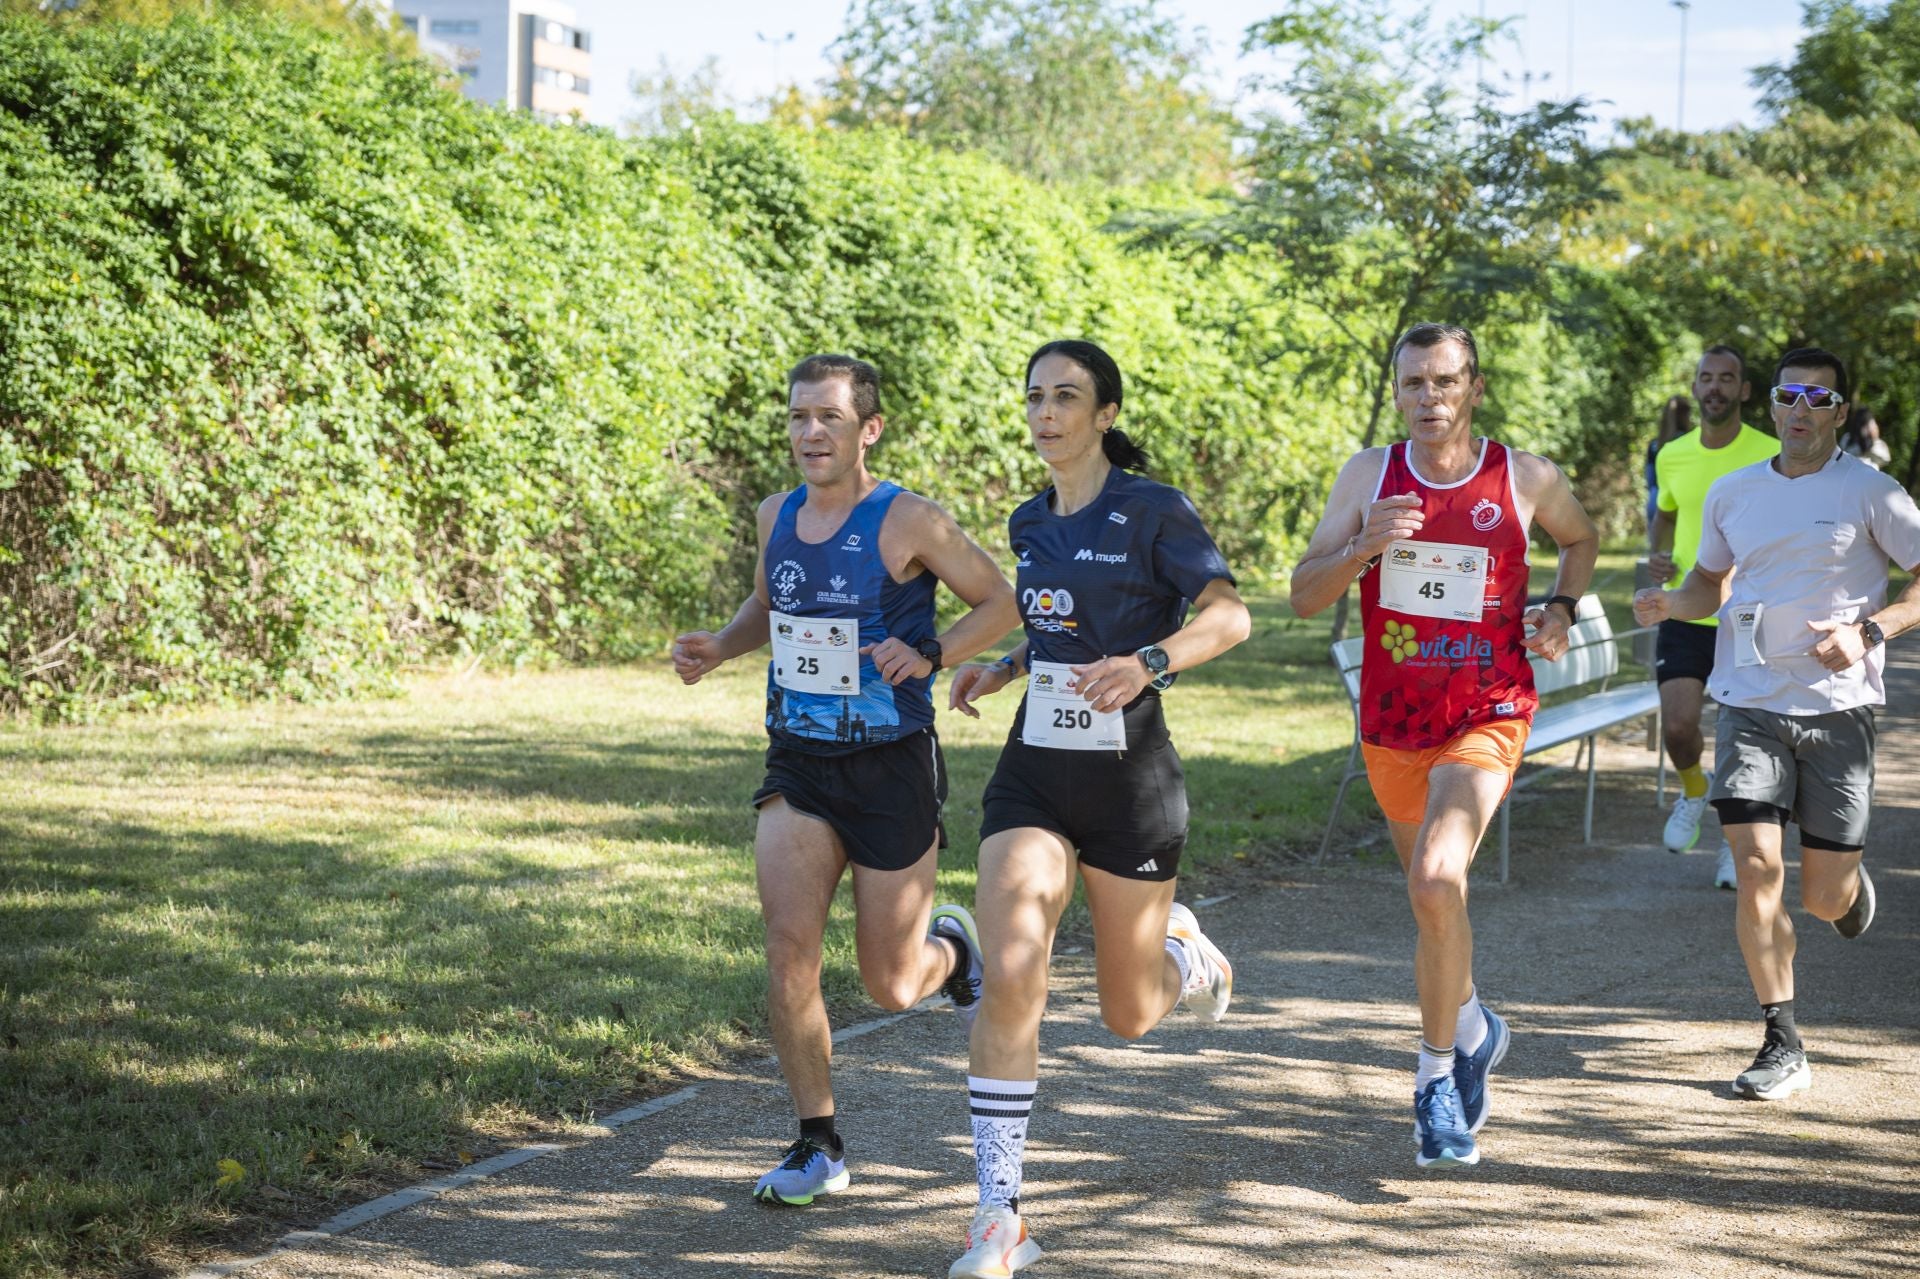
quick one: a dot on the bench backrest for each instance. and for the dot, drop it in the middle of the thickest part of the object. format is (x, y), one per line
(1591, 655)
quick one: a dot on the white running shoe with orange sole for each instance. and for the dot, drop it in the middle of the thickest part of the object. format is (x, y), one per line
(1209, 975)
(997, 1245)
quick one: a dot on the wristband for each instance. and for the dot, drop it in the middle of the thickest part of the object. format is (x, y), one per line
(1573, 607)
(1013, 667)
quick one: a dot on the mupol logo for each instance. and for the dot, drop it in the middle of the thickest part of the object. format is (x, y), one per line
(1083, 554)
(1099, 557)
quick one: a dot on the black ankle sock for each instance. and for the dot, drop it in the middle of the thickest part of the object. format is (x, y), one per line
(1780, 1022)
(820, 1132)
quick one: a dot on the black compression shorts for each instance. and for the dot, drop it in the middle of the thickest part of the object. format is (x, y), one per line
(1125, 813)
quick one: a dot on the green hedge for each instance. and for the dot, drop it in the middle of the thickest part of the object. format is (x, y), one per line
(313, 368)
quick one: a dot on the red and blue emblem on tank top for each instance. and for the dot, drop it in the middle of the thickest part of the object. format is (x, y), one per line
(1424, 680)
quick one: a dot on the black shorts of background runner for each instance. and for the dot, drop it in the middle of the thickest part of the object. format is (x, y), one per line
(1683, 650)
(1125, 813)
(883, 802)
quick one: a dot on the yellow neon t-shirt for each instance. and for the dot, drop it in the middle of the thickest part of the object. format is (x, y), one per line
(1685, 470)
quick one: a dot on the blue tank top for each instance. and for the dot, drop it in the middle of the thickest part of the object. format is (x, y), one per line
(1114, 576)
(845, 577)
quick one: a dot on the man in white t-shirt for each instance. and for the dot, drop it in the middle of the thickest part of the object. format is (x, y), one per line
(1797, 671)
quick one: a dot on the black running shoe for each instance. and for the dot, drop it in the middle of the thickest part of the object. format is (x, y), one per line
(962, 986)
(1859, 917)
(1777, 1072)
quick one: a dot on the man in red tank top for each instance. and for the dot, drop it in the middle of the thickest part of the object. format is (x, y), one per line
(1435, 529)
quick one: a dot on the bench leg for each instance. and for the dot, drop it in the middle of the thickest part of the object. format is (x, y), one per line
(1339, 799)
(1506, 808)
(1590, 745)
(1660, 746)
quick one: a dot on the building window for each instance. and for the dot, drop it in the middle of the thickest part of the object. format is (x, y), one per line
(561, 79)
(455, 26)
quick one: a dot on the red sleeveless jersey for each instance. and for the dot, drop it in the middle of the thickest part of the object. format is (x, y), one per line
(1424, 680)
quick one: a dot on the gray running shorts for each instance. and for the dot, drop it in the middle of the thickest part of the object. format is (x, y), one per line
(1817, 767)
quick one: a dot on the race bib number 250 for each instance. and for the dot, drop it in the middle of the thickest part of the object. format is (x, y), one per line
(1059, 718)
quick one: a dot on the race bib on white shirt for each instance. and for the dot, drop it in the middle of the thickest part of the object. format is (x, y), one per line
(1435, 579)
(1058, 718)
(816, 654)
(1746, 635)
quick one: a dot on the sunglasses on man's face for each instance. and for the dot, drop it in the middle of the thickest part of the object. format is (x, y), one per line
(1787, 394)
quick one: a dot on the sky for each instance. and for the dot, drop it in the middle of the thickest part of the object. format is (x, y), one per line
(1622, 54)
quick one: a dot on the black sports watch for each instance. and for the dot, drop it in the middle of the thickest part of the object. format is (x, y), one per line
(1155, 659)
(1872, 635)
(1573, 607)
(929, 649)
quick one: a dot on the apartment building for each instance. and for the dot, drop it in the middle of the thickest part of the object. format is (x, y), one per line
(528, 54)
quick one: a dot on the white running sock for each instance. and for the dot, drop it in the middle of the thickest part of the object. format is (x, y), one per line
(1178, 949)
(1000, 1110)
(1434, 1062)
(1470, 1030)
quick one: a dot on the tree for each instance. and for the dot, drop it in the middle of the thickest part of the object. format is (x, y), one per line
(1857, 60)
(1390, 198)
(1060, 90)
(667, 100)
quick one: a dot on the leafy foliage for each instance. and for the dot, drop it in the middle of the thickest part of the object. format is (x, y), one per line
(316, 368)
(1060, 90)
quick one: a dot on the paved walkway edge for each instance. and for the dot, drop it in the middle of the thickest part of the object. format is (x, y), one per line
(373, 1210)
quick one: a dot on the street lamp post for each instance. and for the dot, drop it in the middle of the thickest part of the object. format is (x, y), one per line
(1680, 112)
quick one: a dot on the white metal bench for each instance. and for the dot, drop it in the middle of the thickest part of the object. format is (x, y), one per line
(1592, 657)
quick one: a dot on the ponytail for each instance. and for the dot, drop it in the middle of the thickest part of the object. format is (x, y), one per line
(1122, 451)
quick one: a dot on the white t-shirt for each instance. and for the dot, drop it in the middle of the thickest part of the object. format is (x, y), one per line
(1804, 549)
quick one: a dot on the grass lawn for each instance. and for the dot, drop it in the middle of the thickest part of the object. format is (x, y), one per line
(335, 945)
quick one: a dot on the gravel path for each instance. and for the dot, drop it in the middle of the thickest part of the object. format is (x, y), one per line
(1279, 1142)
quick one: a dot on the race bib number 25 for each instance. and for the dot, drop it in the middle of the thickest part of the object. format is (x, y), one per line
(816, 654)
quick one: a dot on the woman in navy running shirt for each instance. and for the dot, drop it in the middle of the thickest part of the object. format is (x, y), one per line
(1109, 563)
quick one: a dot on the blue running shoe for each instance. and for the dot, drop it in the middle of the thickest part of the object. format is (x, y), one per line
(1440, 1127)
(1470, 1070)
(808, 1170)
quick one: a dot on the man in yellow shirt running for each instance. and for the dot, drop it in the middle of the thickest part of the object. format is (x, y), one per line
(1686, 468)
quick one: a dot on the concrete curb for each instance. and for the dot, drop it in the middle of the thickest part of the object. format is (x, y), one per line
(373, 1210)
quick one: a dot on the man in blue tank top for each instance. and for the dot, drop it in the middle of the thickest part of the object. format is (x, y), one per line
(844, 590)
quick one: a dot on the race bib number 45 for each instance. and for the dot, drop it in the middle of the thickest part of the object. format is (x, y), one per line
(816, 654)
(1435, 579)
(1058, 718)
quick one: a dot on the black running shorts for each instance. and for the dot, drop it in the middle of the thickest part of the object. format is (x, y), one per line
(1683, 650)
(883, 802)
(1125, 813)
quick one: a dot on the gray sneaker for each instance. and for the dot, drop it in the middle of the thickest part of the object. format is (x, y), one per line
(1859, 916)
(962, 986)
(1777, 1072)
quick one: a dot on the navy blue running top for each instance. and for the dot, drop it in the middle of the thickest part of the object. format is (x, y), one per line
(1114, 576)
(845, 576)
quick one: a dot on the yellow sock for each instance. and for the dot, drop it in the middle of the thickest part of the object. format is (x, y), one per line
(1693, 781)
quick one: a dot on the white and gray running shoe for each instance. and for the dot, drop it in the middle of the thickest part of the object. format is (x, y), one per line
(1859, 916)
(1778, 1071)
(1683, 824)
(962, 986)
(1724, 875)
(1209, 975)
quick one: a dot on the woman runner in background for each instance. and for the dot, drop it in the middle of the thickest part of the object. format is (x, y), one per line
(1108, 564)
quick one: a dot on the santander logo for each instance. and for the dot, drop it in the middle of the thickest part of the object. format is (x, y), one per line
(1487, 514)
